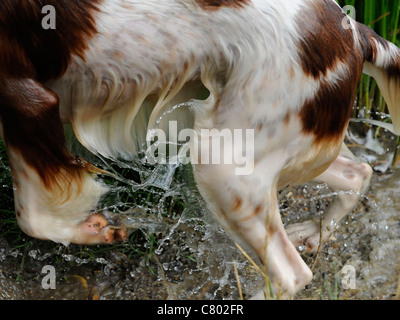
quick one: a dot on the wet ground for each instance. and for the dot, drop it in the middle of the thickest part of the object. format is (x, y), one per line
(191, 257)
(363, 260)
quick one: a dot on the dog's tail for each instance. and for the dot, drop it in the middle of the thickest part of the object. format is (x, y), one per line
(382, 62)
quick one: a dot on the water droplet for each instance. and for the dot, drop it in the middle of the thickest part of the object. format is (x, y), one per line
(33, 254)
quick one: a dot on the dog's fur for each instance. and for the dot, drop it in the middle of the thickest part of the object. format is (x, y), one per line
(288, 69)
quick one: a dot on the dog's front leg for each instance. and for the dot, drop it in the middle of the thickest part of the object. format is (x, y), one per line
(248, 206)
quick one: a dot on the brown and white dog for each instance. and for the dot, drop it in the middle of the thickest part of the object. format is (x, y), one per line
(287, 69)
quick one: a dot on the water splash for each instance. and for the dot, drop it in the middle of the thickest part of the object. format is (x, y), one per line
(187, 255)
(182, 247)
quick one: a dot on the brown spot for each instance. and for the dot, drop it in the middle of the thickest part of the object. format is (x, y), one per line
(349, 175)
(291, 72)
(127, 6)
(286, 120)
(18, 214)
(28, 50)
(212, 5)
(118, 56)
(258, 210)
(323, 40)
(237, 204)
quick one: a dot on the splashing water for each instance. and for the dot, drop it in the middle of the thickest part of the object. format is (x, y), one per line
(178, 251)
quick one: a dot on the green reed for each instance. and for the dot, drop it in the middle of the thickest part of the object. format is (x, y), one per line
(383, 16)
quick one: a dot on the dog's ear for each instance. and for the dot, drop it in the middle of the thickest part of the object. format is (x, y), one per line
(383, 64)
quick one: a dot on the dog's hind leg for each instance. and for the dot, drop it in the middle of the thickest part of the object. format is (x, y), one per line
(349, 178)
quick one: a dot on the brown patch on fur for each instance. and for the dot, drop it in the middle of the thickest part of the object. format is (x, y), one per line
(212, 5)
(328, 114)
(32, 126)
(323, 45)
(323, 40)
(237, 204)
(28, 50)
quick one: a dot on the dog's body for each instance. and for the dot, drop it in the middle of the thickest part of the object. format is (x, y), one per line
(287, 69)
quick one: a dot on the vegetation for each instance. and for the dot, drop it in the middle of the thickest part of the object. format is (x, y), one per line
(382, 16)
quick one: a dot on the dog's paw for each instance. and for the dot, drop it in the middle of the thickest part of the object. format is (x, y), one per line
(96, 230)
(305, 236)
